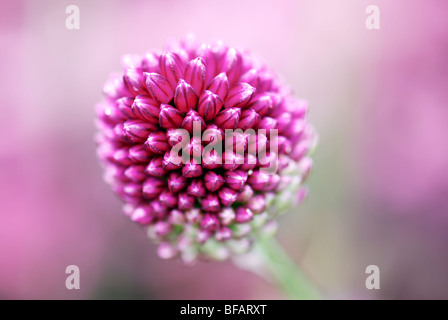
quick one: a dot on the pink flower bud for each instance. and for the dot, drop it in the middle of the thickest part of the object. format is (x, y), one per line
(227, 196)
(283, 123)
(210, 203)
(211, 160)
(266, 123)
(176, 182)
(136, 173)
(172, 162)
(172, 67)
(236, 179)
(232, 160)
(250, 162)
(176, 217)
(166, 250)
(213, 181)
(139, 154)
(196, 188)
(209, 222)
(133, 81)
(239, 95)
(228, 118)
(121, 156)
(168, 199)
(185, 98)
(192, 170)
(142, 215)
(150, 62)
(262, 104)
(152, 187)
(193, 215)
(258, 180)
(146, 108)
(191, 119)
(125, 106)
(169, 117)
(195, 147)
(159, 87)
(213, 134)
(157, 142)
(195, 74)
(232, 65)
(249, 118)
(257, 204)
(209, 105)
(155, 167)
(137, 130)
(223, 234)
(245, 194)
(220, 86)
(226, 216)
(176, 136)
(243, 215)
(133, 189)
(185, 201)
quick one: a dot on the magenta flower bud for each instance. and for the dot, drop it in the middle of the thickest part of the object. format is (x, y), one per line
(155, 167)
(205, 232)
(133, 189)
(283, 123)
(227, 196)
(136, 173)
(121, 156)
(196, 188)
(213, 134)
(210, 203)
(146, 108)
(191, 119)
(176, 217)
(114, 87)
(125, 106)
(168, 199)
(150, 62)
(258, 180)
(228, 118)
(118, 133)
(231, 160)
(284, 145)
(251, 77)
(270, 159)
(139, 154)
(159, 209)
(226, 216)
(257, 143)
(212, 160)
(273, 182)
(266, 123)
(262, 104)
(250, 162)
(172, 67)
(169, 117)
(192, 170)
(257, 204)
(249, 118)
(152, 187)
(195, 73)
(245, 194)
(185, 201)
(133, 81)
(195, 147)
(176, 182)
(157, 142)
(185, 98)
(109, 113)
(220, 86)
(210, 222)
(159, 87)
(232, 65)
(176, 136)
(162, 228)
(209, 105)
(243, 215)
(236, 141)
(239, 95)
(172, 162)
(194, 215)
(213, 181)
(236, 179)
(142, 215)
(223, 234)
(137, 130)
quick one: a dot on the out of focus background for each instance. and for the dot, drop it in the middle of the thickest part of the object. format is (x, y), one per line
(378, 192)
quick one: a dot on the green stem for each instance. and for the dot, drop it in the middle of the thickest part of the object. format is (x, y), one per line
(289, 278)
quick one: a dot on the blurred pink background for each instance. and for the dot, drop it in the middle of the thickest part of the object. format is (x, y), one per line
(379, 190)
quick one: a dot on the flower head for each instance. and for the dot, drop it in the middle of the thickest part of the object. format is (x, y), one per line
(231, 119)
